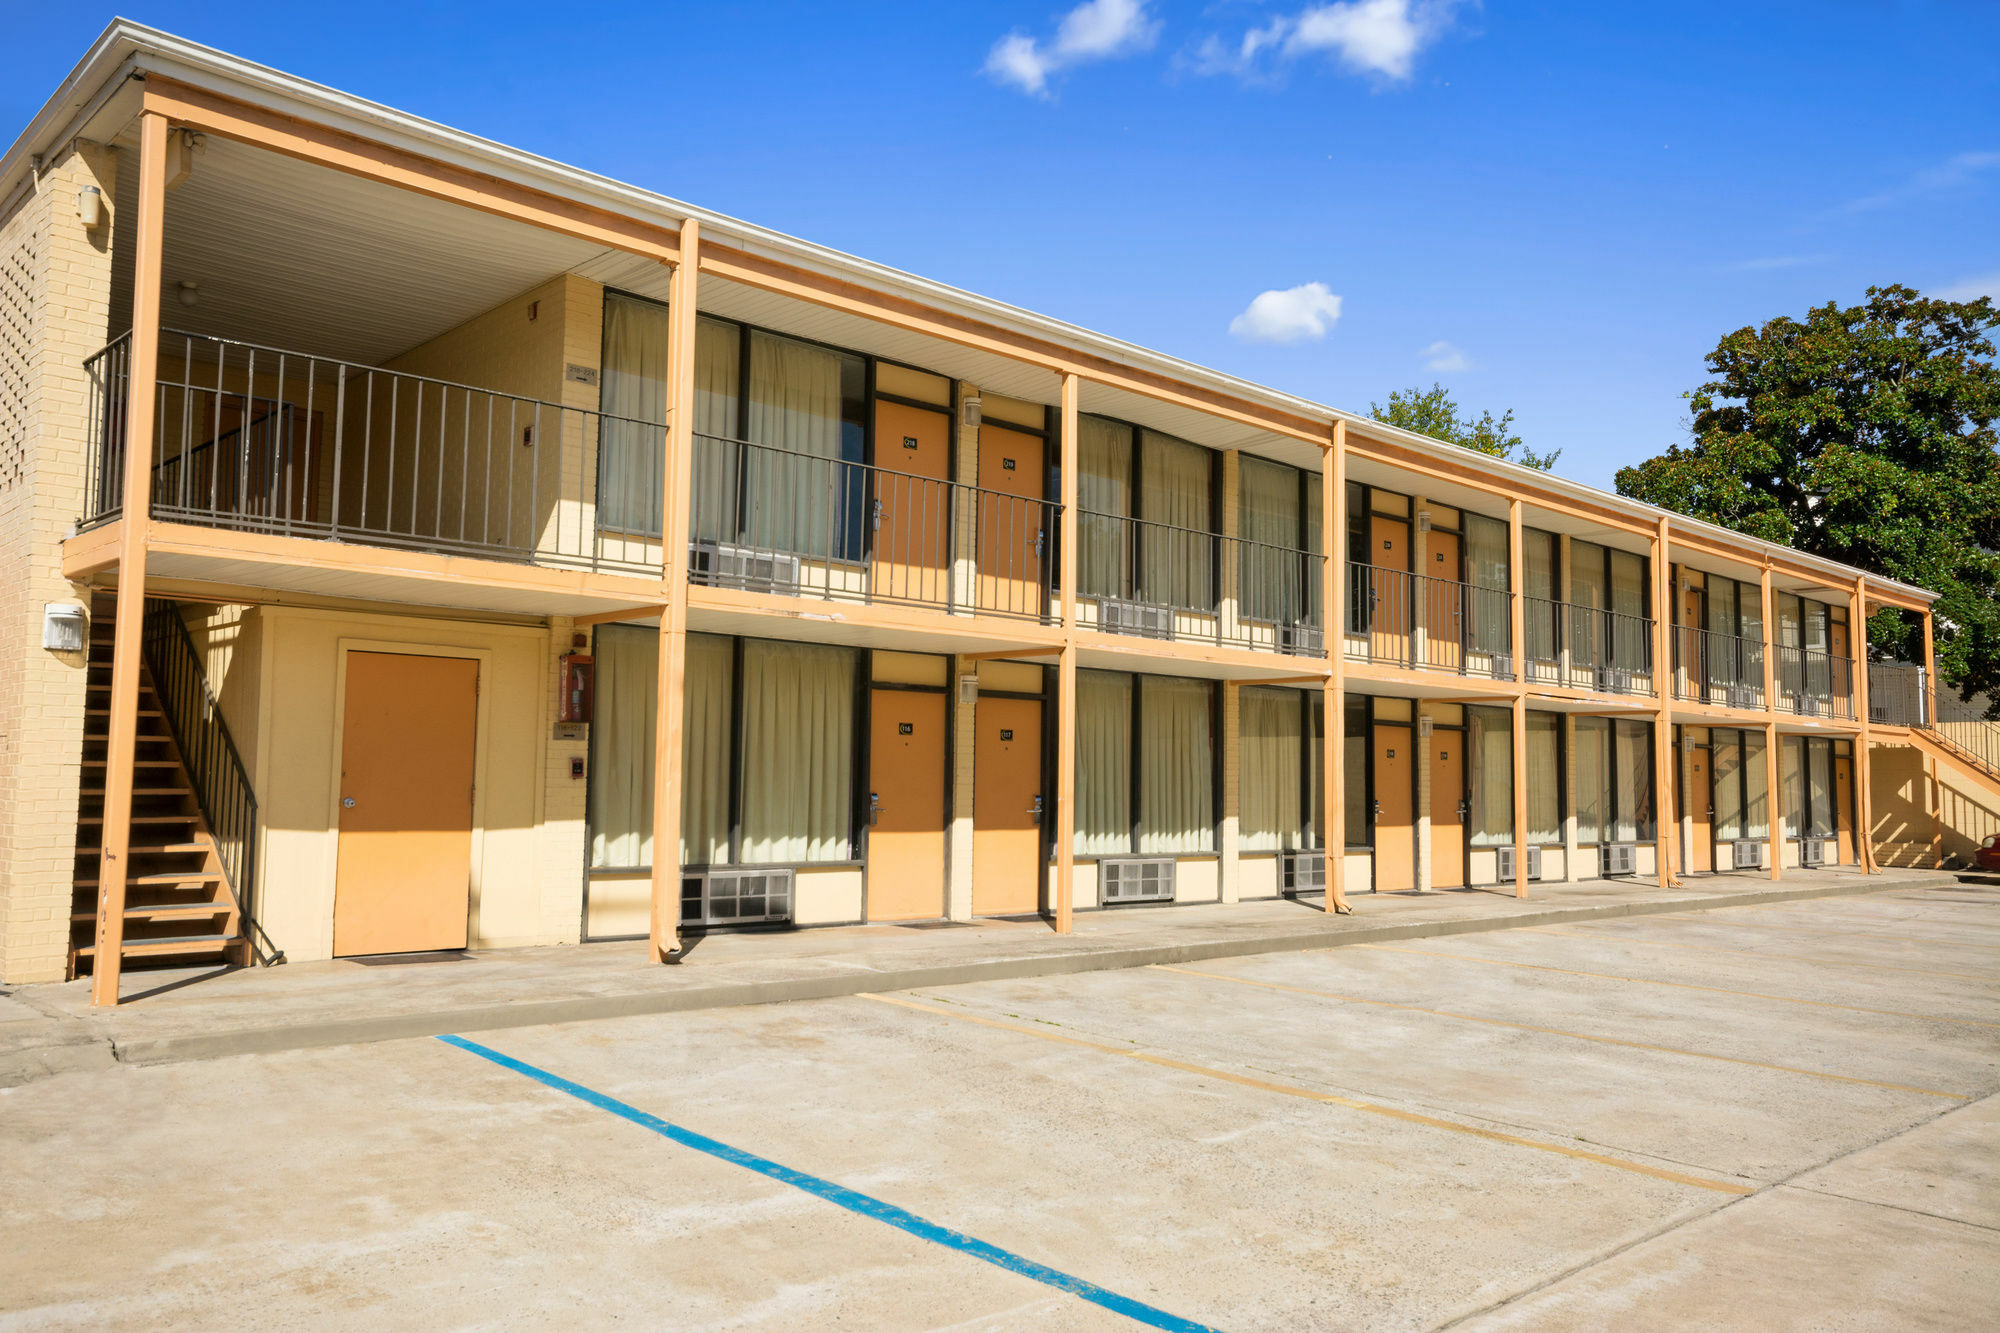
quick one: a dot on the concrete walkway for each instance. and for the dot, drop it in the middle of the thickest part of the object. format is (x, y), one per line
(204, 1014)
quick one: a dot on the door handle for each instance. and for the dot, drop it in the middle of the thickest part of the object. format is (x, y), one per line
(1036, 808)
(874, 809)
(347, 802)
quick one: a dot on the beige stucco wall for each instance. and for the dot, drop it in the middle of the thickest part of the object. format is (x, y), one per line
(527, 848)
(55, 286)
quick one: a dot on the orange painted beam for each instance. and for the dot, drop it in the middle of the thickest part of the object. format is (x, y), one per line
(1517, 630)
(1333, 713)
(669, 720)
(1773, 794)
(1666, 826)
(1065, 886)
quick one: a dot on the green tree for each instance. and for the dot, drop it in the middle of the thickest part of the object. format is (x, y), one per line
(1864, 434)
(1432, 412)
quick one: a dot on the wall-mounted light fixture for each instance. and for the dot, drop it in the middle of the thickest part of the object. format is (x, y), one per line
(64, 625)
(1424, 727)
(190, 292)
(968, 412)
(968, 689)
(90, 206)
(1423, 520)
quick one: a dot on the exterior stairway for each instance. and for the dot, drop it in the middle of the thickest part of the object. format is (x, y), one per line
(180, 905)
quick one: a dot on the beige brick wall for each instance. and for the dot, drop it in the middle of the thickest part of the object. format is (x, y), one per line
(53, 314)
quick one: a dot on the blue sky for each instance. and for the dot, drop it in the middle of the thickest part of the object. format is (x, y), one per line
(1556, 208)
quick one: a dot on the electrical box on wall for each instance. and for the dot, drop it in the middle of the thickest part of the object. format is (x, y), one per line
(576, 687)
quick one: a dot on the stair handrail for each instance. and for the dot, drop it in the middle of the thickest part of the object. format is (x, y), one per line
(215, 767)
(1944, 709)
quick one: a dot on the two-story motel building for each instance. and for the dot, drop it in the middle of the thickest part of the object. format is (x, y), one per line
(437, 546)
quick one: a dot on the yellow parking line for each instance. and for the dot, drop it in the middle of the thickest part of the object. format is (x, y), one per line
(1610, 936)
(1678, 985)
(1561, 1032)
(1334, 1099)
(1715, 919)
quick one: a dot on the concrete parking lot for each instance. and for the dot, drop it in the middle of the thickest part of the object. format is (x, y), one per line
(1772, 1117)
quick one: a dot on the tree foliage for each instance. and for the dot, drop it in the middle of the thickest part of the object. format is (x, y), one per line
(1864, 434)
(1432, 412)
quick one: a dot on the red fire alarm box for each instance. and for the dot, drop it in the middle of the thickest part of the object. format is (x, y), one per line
(576, 688)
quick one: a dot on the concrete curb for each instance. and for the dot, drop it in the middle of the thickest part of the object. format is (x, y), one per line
(27, 1065)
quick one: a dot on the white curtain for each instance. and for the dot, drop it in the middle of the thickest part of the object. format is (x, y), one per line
(717, 457)
(1175, 550)
(1315, 572)
(1269, 778)
(1104, 502)
(1756, 786)
(1486, 564)
(621, 778)
(1634, 759)
(1544, 747)
(795, 487)
(632, 387)
(798, 752)
(705, 734)
(1354, 762)
(1491, 734)
(1791, 753)
(1177, 773)
(1591, 737)
(1726, 775)
(1819, 782)
(1268, 575)
(1103, 763)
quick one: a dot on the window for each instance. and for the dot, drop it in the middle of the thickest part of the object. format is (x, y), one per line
(1269, 521)
(1487, 570)
(787, 708)
(1592, 766)
(1104, 508)
(1742, 810)
(1145, 757)
(1540, 557)
(1354, 755)
(632, 395)
(1278, 768)
(1490, 731)
(1543, 770)
(1614, 780)
(1176, 550)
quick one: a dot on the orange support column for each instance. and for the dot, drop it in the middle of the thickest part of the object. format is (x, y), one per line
(669, 719)
(1773, 793)
(1928, 702)
(1066, 669)
(1666, 850)
(1333, 634)
(1517, 629)
(1862, 812)
(148, 236)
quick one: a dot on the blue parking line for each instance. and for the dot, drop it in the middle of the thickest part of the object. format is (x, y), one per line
(853, 1202)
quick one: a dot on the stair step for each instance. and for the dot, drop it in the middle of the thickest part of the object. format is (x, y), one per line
(138, 763)
(142, 791)
(171, 944)
(165, 877)
(145, 819)
(165, 912)
(106, 712)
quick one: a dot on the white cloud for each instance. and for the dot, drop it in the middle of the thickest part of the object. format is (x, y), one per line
(1951, 172)
(1094, 30)
(1292, 315)
(1986, 284)
(1445, 359)
(1380, 37)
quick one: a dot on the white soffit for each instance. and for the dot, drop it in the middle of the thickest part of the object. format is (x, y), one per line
(302, 257)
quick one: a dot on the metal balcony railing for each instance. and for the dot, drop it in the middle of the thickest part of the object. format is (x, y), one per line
(1157, 580)
(1903, 695)
(1725, 670)
(261, 439)
(1814, 683)
(1896, 694)
(1396, 618)
(772, 520)
(1588, 648)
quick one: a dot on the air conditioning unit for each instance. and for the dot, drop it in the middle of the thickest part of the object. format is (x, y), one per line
(1503, 665)
(1301, 872)
(1146, 619)
(1302, 640)
(1812, 852)
(1747, 856)
(1621, 858)
(1507, 864)
(1614, 680)
(736, 897)
(721, 565)
(1135, 879)
(1809, 705)
(1742, 696)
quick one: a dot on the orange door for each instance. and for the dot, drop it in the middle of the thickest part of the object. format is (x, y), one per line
(1006, 807)
(906, 783)
(1843, 808)
(1701, 810)
(1693, 664)
(1447, 809)
(403, 882)
(1395, 839)
(1442, 603)
(1388, 590)
(1841, 683)
(1010, 521)
(912, 517)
